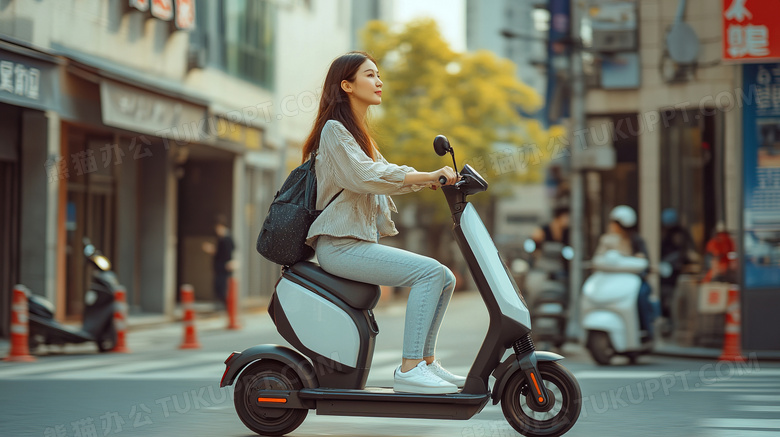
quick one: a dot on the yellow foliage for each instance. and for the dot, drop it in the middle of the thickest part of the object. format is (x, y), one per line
(474, 99)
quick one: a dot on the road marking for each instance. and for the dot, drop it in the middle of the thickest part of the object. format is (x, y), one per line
(6, 373)
(757, 398)
(741, 424)
(110, 365)
(712, 388)
(626, 374)
(752, 383)
(742, 432)
(757, 408)
(754, 373)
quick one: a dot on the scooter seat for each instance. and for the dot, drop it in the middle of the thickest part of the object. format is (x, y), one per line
(356, 294)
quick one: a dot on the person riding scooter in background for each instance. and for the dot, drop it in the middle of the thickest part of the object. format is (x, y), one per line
(622, 236)
(557, 230)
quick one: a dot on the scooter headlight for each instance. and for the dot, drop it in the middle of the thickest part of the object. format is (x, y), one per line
(102, 262)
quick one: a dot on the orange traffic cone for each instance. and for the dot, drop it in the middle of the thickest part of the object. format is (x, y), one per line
(732, 343)
(20, 349)
(190, 336)
(232, 304)
(120, 320)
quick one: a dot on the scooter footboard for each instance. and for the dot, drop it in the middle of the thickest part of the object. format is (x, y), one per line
(505, 370)
(294, 360)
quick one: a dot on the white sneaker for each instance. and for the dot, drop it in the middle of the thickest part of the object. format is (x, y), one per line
(436, 368)
(421, 380)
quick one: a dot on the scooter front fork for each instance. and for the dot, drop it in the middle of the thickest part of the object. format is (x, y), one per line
(526, 355)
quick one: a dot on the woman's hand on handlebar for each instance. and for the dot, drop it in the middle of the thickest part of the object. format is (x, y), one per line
(444, 174)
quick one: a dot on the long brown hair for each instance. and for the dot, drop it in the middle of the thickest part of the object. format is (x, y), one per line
(334, 105)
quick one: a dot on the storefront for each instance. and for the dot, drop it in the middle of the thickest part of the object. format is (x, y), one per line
(29, 97)
(760, 228)
(121, 184)
(233, 177)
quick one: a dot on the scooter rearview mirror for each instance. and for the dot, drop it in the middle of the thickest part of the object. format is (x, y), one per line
(441, 145)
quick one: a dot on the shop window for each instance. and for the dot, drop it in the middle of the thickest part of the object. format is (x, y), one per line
(90, 212)
(690, 174)
(248, 36)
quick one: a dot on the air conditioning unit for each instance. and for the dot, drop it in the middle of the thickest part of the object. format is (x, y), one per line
(614, 26)
(611, 40)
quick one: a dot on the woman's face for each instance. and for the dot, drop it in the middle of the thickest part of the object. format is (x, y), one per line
(366, 88)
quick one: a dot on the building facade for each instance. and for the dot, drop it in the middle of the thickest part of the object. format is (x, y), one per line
(136, 123)
(673, 121)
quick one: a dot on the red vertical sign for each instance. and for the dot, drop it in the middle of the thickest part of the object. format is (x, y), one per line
(185, 14)
(163, 9)
(141, 5)
(751, 30)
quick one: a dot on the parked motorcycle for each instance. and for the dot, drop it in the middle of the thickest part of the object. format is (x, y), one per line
(98, 319)
(548, 290)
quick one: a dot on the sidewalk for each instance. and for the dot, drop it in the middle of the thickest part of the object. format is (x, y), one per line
(208, 316)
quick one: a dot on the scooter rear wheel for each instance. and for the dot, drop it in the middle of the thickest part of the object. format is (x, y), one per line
(600, 348)
(267, 375)
(527, 419)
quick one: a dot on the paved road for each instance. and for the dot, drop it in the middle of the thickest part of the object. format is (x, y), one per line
(159, 390)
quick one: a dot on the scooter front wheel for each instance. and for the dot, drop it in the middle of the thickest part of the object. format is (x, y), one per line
(561, 414)
(267, 375)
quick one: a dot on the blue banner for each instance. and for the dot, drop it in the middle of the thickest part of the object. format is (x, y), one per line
(761, 173)
(558, 50)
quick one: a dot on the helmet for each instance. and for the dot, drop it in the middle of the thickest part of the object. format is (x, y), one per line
(624, 215)
(669, 217)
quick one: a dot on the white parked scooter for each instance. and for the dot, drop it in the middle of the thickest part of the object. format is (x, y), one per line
(610, 317)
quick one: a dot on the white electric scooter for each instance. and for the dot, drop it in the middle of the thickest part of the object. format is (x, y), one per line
(610, 317)
(329, 321)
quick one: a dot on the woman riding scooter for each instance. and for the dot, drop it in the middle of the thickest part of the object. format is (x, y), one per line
(623, 237)
(346, 234)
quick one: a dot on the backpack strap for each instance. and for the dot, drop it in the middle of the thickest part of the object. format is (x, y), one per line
(333, 198)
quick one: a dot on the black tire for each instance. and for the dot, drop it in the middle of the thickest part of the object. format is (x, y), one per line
(565, 396)
(600, 347)
(268, 375)
(107, 342)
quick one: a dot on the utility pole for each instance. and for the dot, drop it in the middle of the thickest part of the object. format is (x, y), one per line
(577, 207)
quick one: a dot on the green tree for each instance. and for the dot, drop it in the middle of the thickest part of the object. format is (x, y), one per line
(474, 99)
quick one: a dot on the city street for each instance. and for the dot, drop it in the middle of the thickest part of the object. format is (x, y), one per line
(159, 390)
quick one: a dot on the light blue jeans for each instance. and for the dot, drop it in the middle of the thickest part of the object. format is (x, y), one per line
(431, 284)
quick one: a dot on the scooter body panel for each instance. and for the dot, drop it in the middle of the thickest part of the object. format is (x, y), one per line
(98, 317)
(611, 323)
(336, 337)
(490, 263)
(319, 324)
(384, 402)
(609, 304)
(99, 304)
(54, 332)
(608, 288)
